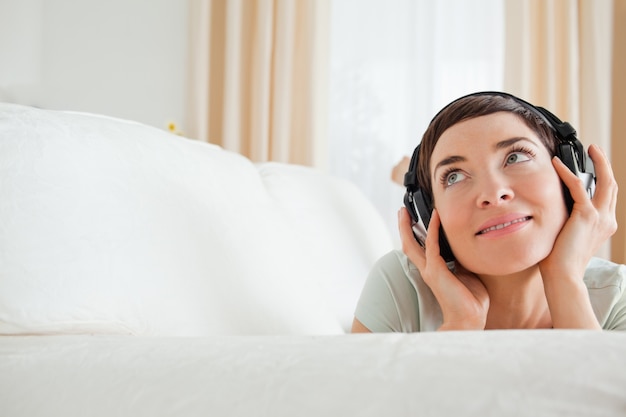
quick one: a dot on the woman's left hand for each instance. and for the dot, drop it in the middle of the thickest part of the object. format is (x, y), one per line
(591, 223)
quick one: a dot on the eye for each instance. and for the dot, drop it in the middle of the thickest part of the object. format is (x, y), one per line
(452, 177)
(518, 156)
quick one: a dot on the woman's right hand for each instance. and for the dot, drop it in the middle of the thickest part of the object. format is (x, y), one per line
(462, 296)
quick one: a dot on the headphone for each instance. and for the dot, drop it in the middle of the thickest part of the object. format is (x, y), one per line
(570, 150)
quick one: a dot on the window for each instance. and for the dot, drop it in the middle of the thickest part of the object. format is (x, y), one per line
(394, 64)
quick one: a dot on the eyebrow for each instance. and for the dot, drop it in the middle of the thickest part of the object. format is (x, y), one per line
(500, 145)
(449, 161)
(508, 142)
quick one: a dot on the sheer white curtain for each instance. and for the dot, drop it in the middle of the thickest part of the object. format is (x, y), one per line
(394, 63)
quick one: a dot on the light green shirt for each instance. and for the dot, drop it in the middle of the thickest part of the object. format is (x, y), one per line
(396, 298)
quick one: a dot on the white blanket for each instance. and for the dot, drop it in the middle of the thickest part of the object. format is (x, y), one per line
(496, 373)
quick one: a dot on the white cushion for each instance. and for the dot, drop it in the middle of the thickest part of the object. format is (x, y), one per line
(341, 230)
(110, 226)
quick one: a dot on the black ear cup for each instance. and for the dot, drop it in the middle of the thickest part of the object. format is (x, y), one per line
(579, 165)
(420, 208)
(425, 208)
(566, 154)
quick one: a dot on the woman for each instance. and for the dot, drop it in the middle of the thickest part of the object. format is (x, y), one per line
(522, 258)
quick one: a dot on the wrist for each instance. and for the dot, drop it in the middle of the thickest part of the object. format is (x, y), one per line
(569, 303)
(560, 272)
(462, 325)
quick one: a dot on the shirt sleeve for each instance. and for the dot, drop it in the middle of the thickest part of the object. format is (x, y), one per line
(388, 302)
(606, 282)
(617, 317)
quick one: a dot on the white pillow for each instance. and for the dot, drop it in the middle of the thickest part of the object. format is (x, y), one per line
(110, 226)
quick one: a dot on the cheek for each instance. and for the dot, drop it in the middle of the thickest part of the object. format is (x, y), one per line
(549, 198)
(454, 214)
(545, 191)
(546, 182)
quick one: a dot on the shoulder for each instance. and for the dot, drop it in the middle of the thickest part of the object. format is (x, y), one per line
(396, 261)
(606, 283)
(601, 273)
(395, 297)
(396, 272)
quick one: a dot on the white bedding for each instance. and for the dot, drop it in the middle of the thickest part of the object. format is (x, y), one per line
(496, 373)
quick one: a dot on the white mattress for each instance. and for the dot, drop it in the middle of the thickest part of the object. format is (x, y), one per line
(496, 373)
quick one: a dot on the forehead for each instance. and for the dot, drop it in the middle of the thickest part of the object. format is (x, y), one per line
(481, 133)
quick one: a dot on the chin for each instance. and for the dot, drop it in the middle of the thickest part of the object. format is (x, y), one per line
(504, 262)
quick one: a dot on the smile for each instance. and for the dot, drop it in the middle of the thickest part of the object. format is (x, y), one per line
(503, 225)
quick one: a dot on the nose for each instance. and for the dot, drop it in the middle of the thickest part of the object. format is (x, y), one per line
(494, 191)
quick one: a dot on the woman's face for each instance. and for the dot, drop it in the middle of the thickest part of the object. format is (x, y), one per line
(498, 196)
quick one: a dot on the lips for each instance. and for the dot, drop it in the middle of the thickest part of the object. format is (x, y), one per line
(501, 224)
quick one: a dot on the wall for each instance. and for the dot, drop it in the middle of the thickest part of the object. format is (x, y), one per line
(124, 58)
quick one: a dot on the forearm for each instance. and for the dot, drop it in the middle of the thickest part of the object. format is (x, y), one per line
(569, 303)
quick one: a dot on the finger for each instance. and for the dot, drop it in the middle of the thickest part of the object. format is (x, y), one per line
(600, 209)
(606, 185)
(574, 184)
(601, 162)
(432, 238)
(605, 197)
(410, 247)
(433, 250)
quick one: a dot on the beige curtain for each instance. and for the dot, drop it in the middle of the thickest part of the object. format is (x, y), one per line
(561, 54)
(258, 82)
(618, 125)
